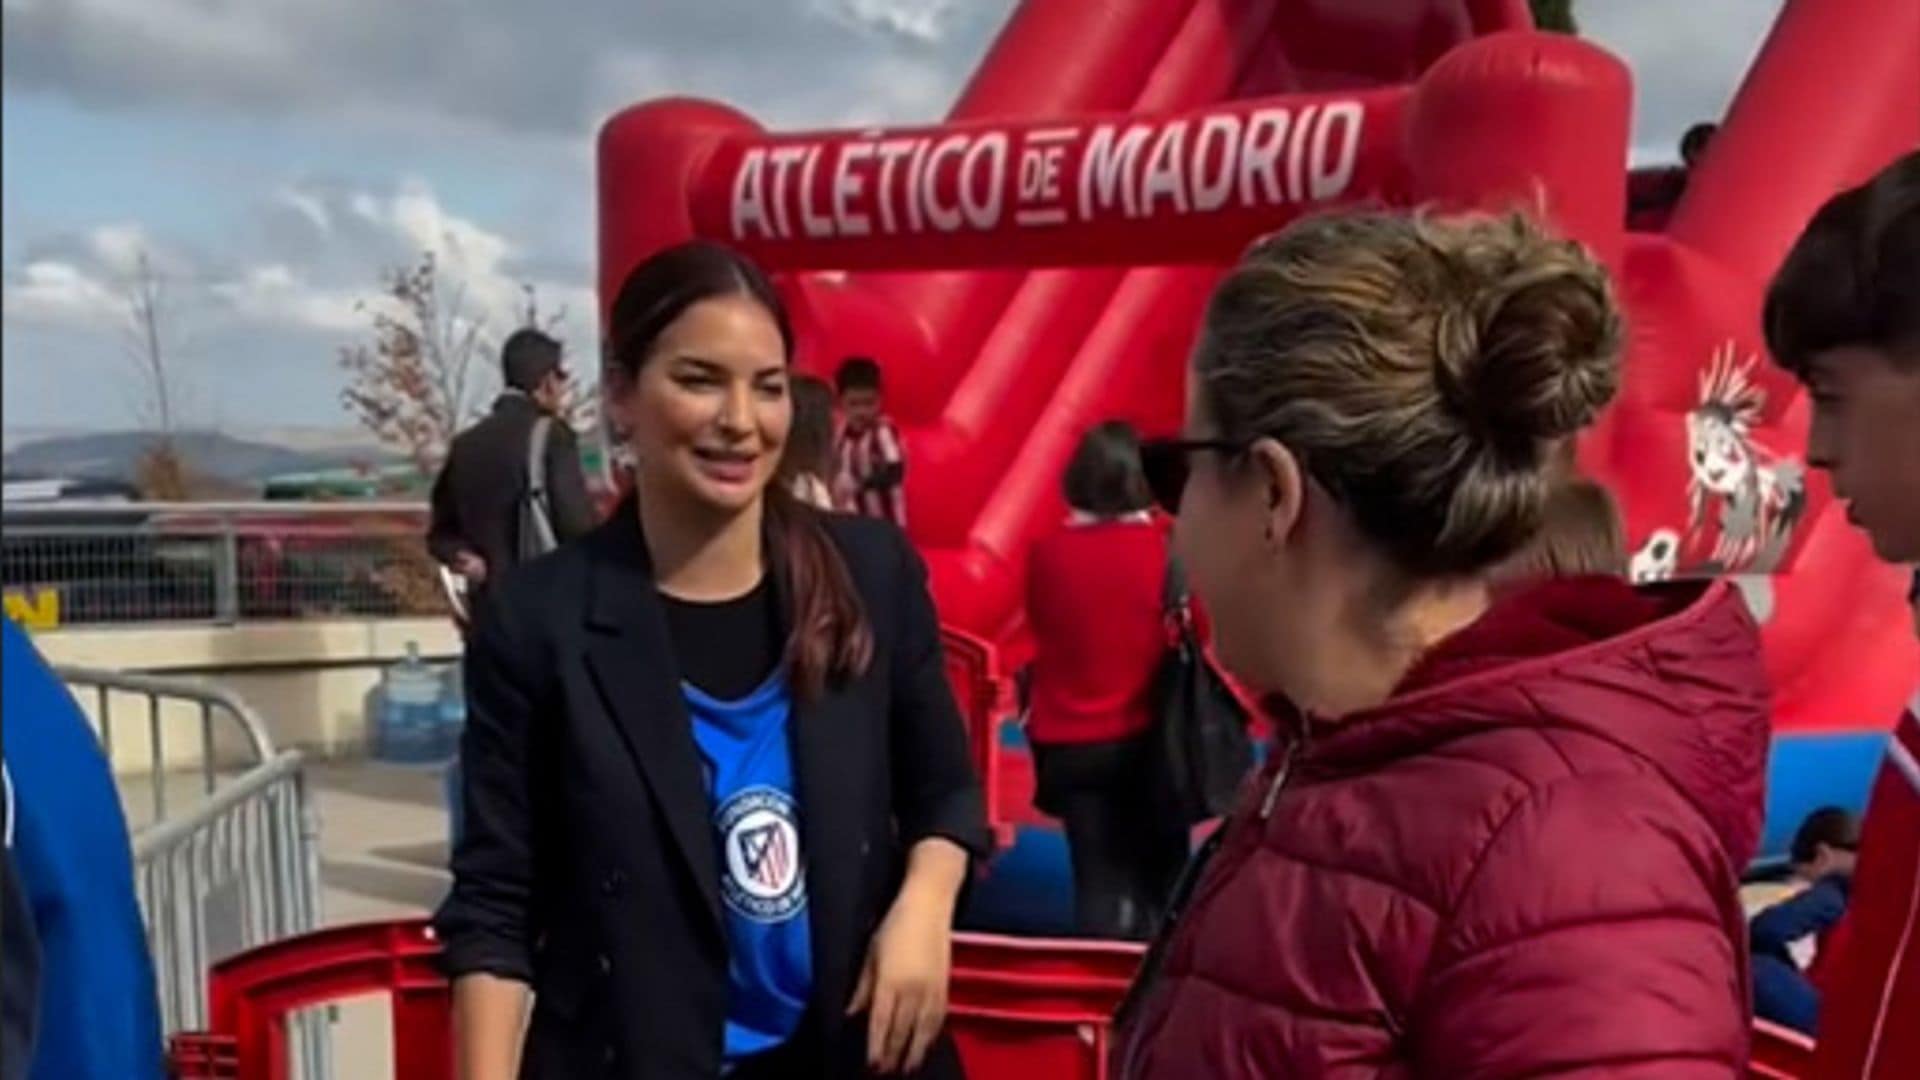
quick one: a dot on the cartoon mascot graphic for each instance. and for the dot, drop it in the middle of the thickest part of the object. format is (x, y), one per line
(1756, 496)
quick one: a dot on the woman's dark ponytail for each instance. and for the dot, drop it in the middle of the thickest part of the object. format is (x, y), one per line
(829, 638)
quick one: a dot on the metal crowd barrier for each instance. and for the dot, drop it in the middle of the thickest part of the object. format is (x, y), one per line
(239, 871)
(203, 748)
(238, 867)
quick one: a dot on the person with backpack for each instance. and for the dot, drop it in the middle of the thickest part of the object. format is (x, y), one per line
(512, 487)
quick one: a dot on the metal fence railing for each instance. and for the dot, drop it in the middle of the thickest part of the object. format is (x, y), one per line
(229, 857)
(240, 871)
(171, 739)
(219, 562)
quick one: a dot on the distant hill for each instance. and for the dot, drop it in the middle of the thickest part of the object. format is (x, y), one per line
(115, 456)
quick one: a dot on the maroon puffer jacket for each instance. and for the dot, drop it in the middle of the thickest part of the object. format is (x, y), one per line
(1526, 864)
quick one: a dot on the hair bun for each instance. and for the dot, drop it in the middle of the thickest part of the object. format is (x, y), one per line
(1529, 352)
(1424, 367)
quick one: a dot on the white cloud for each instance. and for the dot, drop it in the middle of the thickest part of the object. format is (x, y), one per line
(925, 21)
(275, 296)
(51, 292)
(86, 279)
(500, 64)
(119, 248)
(325, 282)
(306, 206)
(477, 268)
(79, 280)
(502, 86)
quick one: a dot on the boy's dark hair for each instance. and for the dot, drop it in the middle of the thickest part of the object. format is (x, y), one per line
(857, 373)
(1105, 477)
(1853, 277)
(528, 356)
(1833, 826)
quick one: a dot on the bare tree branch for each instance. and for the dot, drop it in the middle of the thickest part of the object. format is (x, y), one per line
(413, 384)
(162, 472)
(145, 296)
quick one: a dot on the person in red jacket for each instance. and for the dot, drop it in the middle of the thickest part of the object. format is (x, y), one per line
(1843, 316)
(1496, 837)
(1094, 605)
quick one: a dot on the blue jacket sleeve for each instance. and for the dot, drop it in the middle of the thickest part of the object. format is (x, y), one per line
(1812, 911)
(19, 968)
(99, 1013)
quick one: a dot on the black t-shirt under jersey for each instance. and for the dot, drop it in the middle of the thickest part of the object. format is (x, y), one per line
(728, 648)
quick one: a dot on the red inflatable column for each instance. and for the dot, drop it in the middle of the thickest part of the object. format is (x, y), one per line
(1053, 58)
(1521, 119)
(1833, 96)
(1493, 16)
(991, 409)
(1069, 56)
(649, 157)
(1532, 120)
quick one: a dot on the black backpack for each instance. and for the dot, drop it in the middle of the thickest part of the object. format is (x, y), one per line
(1203, 751)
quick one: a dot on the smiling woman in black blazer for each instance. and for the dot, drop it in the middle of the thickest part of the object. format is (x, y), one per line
(718, 801)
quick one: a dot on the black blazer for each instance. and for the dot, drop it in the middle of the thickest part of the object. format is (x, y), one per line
(588, 866)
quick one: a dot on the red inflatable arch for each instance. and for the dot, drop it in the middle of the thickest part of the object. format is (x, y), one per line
(1037, 262)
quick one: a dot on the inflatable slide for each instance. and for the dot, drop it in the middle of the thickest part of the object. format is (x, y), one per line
(1036, 263)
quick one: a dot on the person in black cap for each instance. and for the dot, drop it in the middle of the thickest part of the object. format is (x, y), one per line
(492, 507)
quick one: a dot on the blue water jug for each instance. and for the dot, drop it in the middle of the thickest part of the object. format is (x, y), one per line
(407, 726)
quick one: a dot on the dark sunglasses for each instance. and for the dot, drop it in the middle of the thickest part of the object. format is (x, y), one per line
(1168, 462)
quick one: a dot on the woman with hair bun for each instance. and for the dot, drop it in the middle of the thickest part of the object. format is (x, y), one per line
(1500, 834)
(718, 802)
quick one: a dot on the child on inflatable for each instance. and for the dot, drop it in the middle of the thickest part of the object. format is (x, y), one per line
(1843, 315)
(1794, 934)
(870, 480)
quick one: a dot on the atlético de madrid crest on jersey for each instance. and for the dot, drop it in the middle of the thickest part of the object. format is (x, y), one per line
(763, 878)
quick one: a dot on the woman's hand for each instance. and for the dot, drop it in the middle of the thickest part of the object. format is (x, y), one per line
(489, 1024)
(903, 985)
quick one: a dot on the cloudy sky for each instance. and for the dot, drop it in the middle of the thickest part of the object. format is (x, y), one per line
(270, 157)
